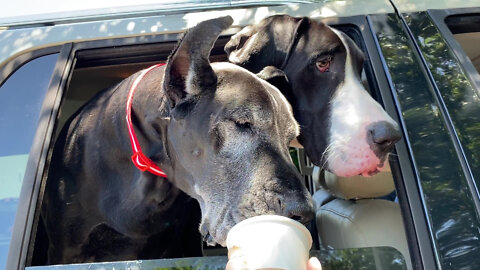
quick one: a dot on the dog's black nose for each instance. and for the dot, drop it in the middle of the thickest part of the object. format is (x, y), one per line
(297, 210)
(382, 136)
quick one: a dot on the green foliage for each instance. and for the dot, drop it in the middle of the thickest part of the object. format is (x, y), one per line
(189, 268)
(375, 258)
(293, 154)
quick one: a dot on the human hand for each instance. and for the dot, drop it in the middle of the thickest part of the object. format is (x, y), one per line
(238, 264)
(314, 264)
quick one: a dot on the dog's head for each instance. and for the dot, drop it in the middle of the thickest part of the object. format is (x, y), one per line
(228, 138)
(319, 70)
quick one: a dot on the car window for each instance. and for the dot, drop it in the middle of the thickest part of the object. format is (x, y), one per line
(96, 69)
(469, 42)
(455, 77)
(440, 113)
(21, 98)
(466, 31)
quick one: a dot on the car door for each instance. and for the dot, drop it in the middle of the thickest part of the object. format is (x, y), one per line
(447, 144)
(395, 77)
(29, 93)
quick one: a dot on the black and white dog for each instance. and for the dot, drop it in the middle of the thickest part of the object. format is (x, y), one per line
(318, 69)
(219, 132)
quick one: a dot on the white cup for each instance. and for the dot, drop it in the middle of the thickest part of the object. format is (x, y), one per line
(270, 242)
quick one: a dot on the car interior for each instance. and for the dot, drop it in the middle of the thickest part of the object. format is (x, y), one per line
(469, 42)
(352, 212)
(466, 31)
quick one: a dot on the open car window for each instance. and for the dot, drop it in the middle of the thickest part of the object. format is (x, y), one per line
(96, 65)
(98, 68)
(466, 31)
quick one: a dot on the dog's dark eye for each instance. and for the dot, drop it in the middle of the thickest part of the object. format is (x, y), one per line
(243, 124)
(323, 64)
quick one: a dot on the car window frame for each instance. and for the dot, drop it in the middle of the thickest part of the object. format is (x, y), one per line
(410, 201)
(404, 171)
(439, 16)
(31, 181)
(65, 66)
(456, 164)
(465, 68)
(16, 62)
(423, 253)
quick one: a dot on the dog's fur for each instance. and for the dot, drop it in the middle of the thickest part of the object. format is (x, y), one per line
(342, 128)
(221, 135)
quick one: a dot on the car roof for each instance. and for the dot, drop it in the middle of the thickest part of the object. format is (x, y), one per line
(422, 5)
(53, 22)
(17, 36)
(56, 10)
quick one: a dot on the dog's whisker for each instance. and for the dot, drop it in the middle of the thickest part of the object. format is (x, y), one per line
(326, 151)
(331, 155)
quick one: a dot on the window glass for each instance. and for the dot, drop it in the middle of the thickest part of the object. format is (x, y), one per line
(459, 82)
(92, 76)
(21, 98)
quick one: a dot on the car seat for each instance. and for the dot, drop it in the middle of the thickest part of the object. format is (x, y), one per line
(351, 214)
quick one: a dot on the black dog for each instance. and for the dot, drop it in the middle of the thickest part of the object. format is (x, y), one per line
(220, 134)
(318, 69)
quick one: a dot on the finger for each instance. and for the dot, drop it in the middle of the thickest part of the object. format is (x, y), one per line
(236, 264)
(314, 264)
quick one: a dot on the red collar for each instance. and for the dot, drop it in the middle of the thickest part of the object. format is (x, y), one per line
(141, 161)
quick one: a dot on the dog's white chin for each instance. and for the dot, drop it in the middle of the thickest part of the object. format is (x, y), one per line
(349, 171)
(357, 161)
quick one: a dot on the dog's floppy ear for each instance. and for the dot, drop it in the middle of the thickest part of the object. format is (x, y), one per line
(274, 76)
(277, 78)
(188, 70)
(267, 43)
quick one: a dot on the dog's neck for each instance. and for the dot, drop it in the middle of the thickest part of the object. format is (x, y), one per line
(151, 120)
(148, 108)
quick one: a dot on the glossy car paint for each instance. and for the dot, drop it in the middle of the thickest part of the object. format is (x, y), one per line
(448, 201)
(460, 103)
(21, 37)
(436, 102)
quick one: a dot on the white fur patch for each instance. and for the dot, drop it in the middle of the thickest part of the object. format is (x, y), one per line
(352, 111)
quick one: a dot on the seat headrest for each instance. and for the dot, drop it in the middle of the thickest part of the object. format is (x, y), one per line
(359, 187)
